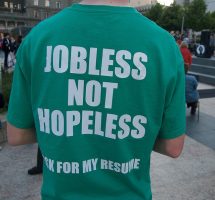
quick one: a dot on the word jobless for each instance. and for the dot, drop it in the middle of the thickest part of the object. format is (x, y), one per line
(78, 60)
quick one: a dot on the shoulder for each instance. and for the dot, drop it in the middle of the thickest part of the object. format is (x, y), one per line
(146, 25)
(48, 25)
(191, 77)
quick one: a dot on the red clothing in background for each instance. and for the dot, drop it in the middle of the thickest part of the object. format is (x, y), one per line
(186, 55)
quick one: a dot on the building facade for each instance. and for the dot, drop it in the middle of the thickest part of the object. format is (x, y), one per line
(139, 3)
(142, 4)
(27, 13)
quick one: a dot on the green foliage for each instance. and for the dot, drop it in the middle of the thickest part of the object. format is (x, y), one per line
(194, 14)
(206, 21)
(172, 17)
(212, 21)
(155, 13)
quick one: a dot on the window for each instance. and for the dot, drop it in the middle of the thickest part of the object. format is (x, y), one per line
(58, 4)
(36, 2)
(46, 15)
(2, 25)
(19, 6)
(47, 3)
(6, 5)
(11, 4)
(10, 24)
(20, 23)
(36, 15)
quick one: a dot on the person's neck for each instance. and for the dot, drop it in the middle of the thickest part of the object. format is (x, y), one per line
(106, 2)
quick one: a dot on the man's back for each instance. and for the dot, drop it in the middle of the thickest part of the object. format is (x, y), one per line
(192, 94)
(102, 85)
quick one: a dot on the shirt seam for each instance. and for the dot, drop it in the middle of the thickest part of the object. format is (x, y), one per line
(168, 134)
(133, 11)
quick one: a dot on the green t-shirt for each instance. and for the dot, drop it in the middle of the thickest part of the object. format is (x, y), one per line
(100, 84)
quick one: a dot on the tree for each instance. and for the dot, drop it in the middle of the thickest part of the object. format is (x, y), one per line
(195, 15)
(172, 17)
(155, 13)
(212, 21)
(207, 21)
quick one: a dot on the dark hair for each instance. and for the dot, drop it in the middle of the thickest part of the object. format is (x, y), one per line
(19, 39)
(6, 34)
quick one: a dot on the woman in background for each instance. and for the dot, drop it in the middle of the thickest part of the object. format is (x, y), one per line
(187, 56)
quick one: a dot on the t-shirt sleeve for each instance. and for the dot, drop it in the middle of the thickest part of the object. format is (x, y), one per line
(20, 112)
(174, 117)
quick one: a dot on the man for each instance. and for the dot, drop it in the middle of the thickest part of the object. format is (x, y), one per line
(6, 48)
(212, 43)
(38, 169)
(192, 94)
(101, 97)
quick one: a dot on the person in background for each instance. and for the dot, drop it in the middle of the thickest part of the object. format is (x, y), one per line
(6, 48)
(212, 43)
(11, 57)
(13, 45)
(18, 42)
(192, 94)
(1, 40)
(1, 106)
(187, 56)
(173, 34)
(38, 169)
(98, 100)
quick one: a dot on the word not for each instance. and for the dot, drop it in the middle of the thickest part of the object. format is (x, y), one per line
(91, 90)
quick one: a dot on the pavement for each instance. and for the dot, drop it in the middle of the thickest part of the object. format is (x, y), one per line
(190, 177)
